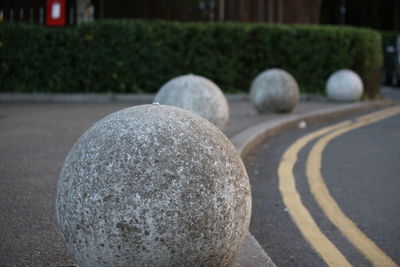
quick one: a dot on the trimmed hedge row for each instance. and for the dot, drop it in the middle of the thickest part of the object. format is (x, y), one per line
(140, 56)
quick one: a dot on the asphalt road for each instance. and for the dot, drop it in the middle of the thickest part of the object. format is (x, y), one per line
(362, 173)
(35, 139)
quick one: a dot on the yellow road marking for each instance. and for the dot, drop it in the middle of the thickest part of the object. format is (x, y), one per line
(299, 213)
(382, 114)
(329, 206)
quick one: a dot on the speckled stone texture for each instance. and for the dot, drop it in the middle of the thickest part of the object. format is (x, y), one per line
(198, 95)
(153, 185)
(344, 85)
(274, 90)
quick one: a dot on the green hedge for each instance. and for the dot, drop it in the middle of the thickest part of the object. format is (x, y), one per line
(140, 56)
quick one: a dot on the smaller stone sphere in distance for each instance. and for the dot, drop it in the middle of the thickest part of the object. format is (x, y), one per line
(274, 90)
(153, 185)
(344, 85)
(198, 95)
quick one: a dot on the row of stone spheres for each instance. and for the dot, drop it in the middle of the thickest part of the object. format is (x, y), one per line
(275, 90)
(161, 185)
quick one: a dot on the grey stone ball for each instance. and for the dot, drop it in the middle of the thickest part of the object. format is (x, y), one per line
(198, 95)
(274, 90)
(153, 185)
(344, 85)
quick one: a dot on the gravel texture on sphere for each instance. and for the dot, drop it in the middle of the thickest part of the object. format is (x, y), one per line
(274, 90)
(153, 185)
(344, 85)
(198, 95)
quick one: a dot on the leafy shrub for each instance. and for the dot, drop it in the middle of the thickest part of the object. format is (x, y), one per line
(139, 56)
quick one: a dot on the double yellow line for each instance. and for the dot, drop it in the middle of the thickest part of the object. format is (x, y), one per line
(299, 213)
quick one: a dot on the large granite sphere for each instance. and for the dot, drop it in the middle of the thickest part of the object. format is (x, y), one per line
(274, 90)
(344, 85)
(153, 185)
(198, 95)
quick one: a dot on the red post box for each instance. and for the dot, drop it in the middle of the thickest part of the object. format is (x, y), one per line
(55, 13)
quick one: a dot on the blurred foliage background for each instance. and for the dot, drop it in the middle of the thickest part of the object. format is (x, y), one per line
(137, 56)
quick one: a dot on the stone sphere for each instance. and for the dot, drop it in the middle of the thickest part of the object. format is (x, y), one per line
(153, 185)
(344, 85)
(198, 95)
(274, 90)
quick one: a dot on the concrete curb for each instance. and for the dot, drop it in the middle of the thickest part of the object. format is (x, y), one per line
(252, 254)
(246, 140)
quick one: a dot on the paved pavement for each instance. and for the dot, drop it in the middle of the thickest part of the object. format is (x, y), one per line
(36, 136)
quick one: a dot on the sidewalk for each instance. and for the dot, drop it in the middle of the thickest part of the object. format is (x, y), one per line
(37, 134)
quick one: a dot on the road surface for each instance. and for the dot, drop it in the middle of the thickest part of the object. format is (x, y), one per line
(328, 194)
